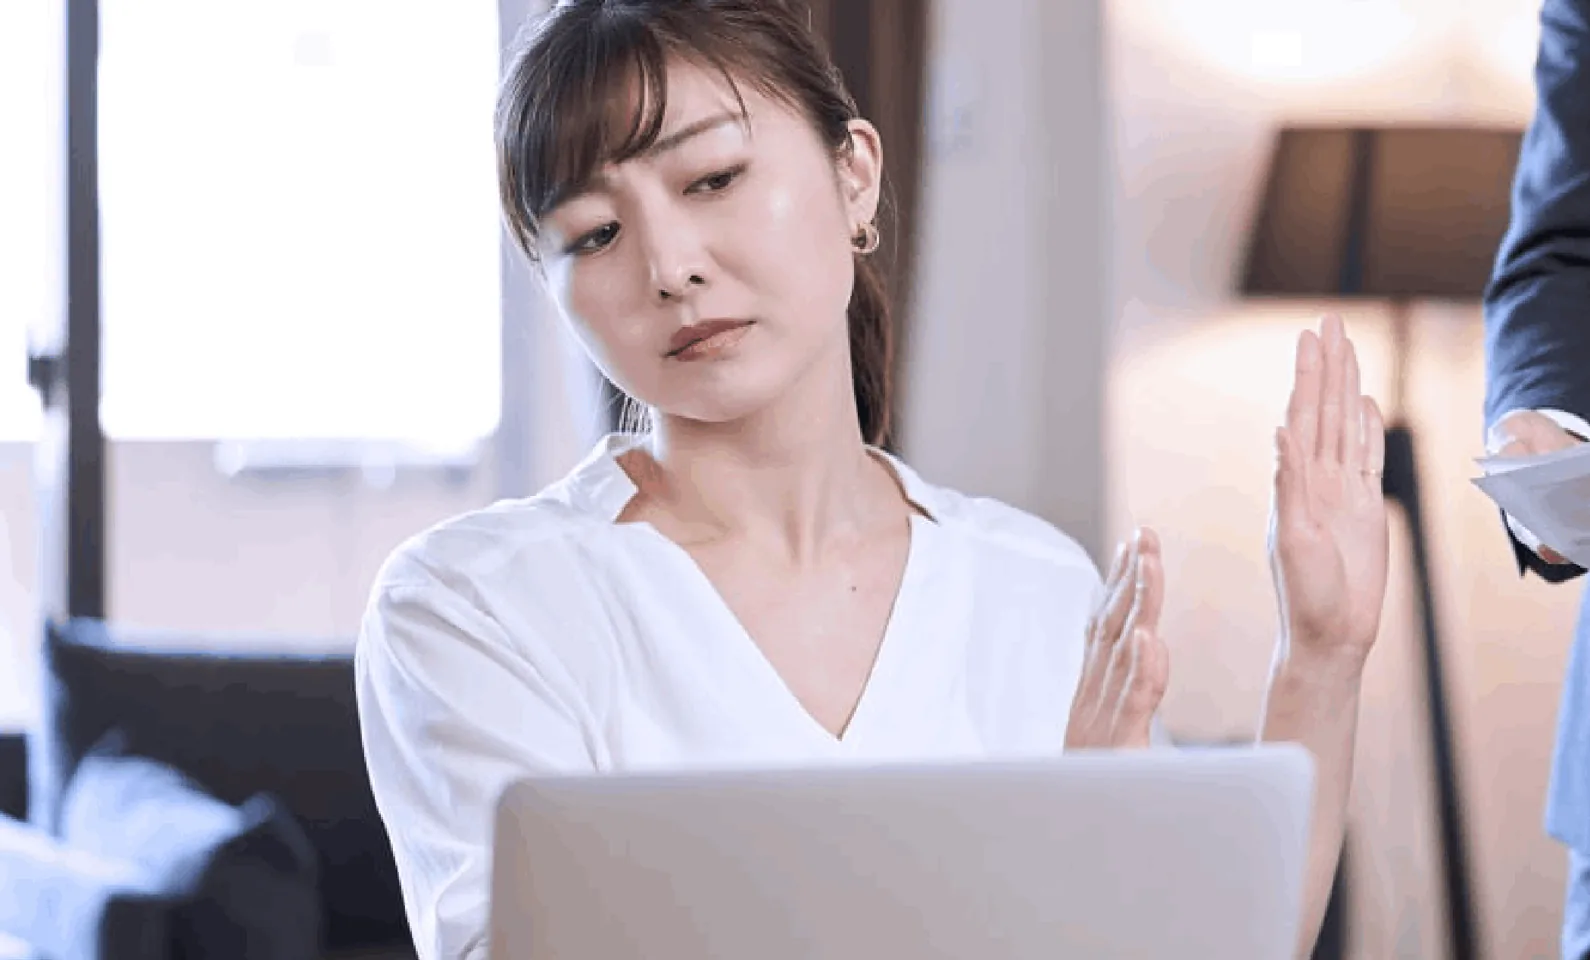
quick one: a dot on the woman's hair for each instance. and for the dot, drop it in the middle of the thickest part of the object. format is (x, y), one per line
(568, 106)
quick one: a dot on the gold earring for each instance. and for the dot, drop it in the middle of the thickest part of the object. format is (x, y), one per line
(866, 239)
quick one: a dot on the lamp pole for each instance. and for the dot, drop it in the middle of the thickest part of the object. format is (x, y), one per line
(1401, 485)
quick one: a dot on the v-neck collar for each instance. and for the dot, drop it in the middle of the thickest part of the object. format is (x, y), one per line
(889, 661)
(601, 486)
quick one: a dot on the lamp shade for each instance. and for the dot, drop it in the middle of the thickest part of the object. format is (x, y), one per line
(1397, 212)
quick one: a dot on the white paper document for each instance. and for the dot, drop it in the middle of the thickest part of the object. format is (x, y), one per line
(1549, 494)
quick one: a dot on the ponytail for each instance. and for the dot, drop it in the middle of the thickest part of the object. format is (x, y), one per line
(871, 351)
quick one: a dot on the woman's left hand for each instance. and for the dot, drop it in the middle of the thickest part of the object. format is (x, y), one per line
(1125, 666)
(1328, 536)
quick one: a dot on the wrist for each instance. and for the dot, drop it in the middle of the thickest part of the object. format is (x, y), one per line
(1329, 671)
(1311, 695)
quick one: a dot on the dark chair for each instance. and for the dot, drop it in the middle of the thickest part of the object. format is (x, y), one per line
(237, 724)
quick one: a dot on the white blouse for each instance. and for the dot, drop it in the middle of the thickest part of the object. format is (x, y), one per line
(538, 636)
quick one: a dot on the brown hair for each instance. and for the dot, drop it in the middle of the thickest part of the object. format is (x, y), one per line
(557, 123)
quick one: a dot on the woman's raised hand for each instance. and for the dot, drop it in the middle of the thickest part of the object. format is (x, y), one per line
(1328, 534)
(1126, 665)
(1328, 547)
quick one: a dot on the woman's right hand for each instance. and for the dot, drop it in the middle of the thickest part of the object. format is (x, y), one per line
(1126, 664)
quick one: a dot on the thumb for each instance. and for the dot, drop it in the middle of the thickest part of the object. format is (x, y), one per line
(1290, 489)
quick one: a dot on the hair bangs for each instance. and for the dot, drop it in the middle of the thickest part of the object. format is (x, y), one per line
(592, 96)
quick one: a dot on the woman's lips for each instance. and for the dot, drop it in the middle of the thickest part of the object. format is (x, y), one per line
(707, 338)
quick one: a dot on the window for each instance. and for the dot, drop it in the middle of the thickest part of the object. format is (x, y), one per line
(300, 243)
(30, 199)
(31, 87)
(299, 216)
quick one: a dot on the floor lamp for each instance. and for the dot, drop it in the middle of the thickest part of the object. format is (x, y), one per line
(1397, 214)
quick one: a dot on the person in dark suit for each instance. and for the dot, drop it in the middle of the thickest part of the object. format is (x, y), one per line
(1537, 344)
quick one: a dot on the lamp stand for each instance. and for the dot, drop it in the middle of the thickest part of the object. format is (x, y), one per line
(1401, 485)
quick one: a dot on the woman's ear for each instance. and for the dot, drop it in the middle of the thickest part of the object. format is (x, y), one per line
(861, 172)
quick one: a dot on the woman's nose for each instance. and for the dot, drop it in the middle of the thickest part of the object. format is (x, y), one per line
(675, 256)
(679, 290)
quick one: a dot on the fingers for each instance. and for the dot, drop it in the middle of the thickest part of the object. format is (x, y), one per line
(1331, 412)
(1117, 675)
(1106, 654)
(1302, 410)
(1326, 418)
(1149, 589)
(1374, 440)
(1142, 620)
(1111, 583)
(1145, 690)
(1127, 665)
(1527, 432)
(1119, 597)
(1104, 627)
(1351, 443)
(1291, 491)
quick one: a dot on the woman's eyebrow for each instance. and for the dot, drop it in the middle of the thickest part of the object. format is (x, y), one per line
(678, 137)
(599, 182)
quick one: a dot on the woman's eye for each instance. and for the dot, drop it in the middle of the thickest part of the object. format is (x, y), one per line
(595, 240)
(717, 182)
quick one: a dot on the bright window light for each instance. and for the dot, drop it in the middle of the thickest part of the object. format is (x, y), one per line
(1277, 50)
(300, 229)
(1293, 42)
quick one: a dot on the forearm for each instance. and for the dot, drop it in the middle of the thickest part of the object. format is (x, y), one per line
(1316, 705)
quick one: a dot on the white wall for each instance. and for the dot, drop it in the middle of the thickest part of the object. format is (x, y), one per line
(1005, 381)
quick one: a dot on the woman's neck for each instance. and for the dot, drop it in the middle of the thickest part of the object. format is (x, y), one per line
(796, 477)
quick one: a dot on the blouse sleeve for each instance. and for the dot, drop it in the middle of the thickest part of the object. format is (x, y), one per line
(452, 710)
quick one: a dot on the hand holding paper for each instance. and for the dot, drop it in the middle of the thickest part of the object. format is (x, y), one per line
(1547, 493)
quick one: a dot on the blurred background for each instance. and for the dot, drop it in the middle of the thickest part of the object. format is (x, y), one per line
(313, 342)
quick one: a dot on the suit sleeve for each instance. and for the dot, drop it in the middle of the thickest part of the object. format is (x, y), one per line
(1537, 305)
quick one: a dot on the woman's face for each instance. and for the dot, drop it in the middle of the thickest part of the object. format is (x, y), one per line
(709, 273)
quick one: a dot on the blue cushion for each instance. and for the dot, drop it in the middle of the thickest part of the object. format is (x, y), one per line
(71, 905)
(240, 881)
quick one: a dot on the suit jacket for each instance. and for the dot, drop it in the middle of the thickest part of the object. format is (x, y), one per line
(1537, 338)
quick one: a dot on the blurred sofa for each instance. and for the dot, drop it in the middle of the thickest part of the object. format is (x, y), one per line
(184, 802)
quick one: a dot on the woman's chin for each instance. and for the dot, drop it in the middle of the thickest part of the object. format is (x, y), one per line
(724, 394)
(715, 416)
(747, 388)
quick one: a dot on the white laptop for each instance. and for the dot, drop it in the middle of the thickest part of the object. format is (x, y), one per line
(1152, 854)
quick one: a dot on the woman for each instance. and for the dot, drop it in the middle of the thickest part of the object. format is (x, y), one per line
(751, 581)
